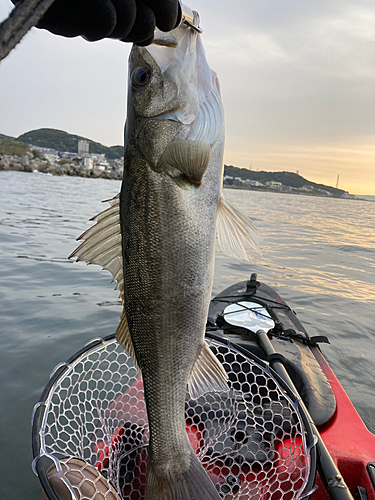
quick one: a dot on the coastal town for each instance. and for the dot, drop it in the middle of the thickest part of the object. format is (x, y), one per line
(82, 163)
(28, 157)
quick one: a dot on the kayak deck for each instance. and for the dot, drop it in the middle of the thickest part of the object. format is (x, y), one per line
(350, 443)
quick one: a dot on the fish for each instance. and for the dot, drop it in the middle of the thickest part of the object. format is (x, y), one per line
(158, 239)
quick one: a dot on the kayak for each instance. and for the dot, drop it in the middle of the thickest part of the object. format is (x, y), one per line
(349, 442)
(285, 429)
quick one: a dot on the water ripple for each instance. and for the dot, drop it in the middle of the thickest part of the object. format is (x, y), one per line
(319, 253)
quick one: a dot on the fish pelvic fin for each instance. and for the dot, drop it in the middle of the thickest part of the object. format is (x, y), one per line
(191, 484)
(123, 337)
(235, 232)
(208, 374)
(189, 157)
(102, 243)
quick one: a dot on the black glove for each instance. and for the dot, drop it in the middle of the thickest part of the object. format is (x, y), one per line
(127, 20)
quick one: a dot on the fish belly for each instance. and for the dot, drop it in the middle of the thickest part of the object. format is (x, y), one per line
(168, 252)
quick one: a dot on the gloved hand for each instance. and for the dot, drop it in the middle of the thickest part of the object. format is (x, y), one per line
(127, 20)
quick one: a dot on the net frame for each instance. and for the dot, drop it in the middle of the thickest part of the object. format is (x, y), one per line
(41, 411)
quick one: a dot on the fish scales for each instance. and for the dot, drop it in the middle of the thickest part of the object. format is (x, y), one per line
(167, 213)
(168, 247)
(168, 251)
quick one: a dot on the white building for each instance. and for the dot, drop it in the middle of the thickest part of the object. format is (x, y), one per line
(102, 166)
(51, 155)
(83, 147)
(68, 156)
(88, 163)
(253, 183)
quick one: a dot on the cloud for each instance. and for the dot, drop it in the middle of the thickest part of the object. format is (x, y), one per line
(243, 47)
(292, 72)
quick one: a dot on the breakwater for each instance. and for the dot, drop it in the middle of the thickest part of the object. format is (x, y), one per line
(29, 163)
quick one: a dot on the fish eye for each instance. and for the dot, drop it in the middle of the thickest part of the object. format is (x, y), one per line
(140, 77)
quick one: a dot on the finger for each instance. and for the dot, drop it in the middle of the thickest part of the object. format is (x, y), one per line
(93, 19)
(145, 42)
(54, 17)
(144, 26)
(166, 13)
(126, 13)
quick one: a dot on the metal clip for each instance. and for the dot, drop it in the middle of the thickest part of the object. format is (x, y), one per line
(189, 17)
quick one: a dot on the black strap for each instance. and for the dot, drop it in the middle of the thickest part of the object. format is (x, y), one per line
(19, 22)
(291, 335)
(322, 339)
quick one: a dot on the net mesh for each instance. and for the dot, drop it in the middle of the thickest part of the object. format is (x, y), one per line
(249, 439)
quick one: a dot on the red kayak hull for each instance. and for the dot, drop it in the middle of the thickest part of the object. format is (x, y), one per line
(350, 443)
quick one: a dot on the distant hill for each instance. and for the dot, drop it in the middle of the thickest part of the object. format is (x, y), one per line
(62, 141)
(286, 178)
(4, 137)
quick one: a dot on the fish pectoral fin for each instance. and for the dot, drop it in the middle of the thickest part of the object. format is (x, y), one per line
(208, 374)
(123, 337)
(188, 157)
(235, 232)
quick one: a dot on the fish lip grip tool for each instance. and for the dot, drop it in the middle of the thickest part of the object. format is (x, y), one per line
(189, 17)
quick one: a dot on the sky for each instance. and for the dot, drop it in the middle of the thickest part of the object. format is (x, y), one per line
(297, 80)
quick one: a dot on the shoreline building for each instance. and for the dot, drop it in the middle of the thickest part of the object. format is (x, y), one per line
(83, 147)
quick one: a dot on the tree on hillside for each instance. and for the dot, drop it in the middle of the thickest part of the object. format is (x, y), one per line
(13, 148)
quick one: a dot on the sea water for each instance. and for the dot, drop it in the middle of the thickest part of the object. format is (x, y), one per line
(319, 254)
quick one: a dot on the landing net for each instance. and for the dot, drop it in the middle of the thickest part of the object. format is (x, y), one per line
(250, 439)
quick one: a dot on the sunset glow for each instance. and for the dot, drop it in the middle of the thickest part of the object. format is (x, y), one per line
(297, 81)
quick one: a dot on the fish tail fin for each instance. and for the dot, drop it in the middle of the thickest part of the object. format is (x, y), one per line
(191, 484)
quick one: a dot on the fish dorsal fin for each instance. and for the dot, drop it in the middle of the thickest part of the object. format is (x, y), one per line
(208, 374)
(236, 235)
(189, 157)
(102, 243)
(123, 337)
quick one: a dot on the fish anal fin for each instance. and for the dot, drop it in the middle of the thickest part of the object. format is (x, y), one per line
(208, 374)
(235, 232)
(188, 157)
(123, 337)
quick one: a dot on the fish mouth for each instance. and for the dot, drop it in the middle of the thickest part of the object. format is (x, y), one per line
(190, 21)
(175, 47)
(180, 103)
(165, 39)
